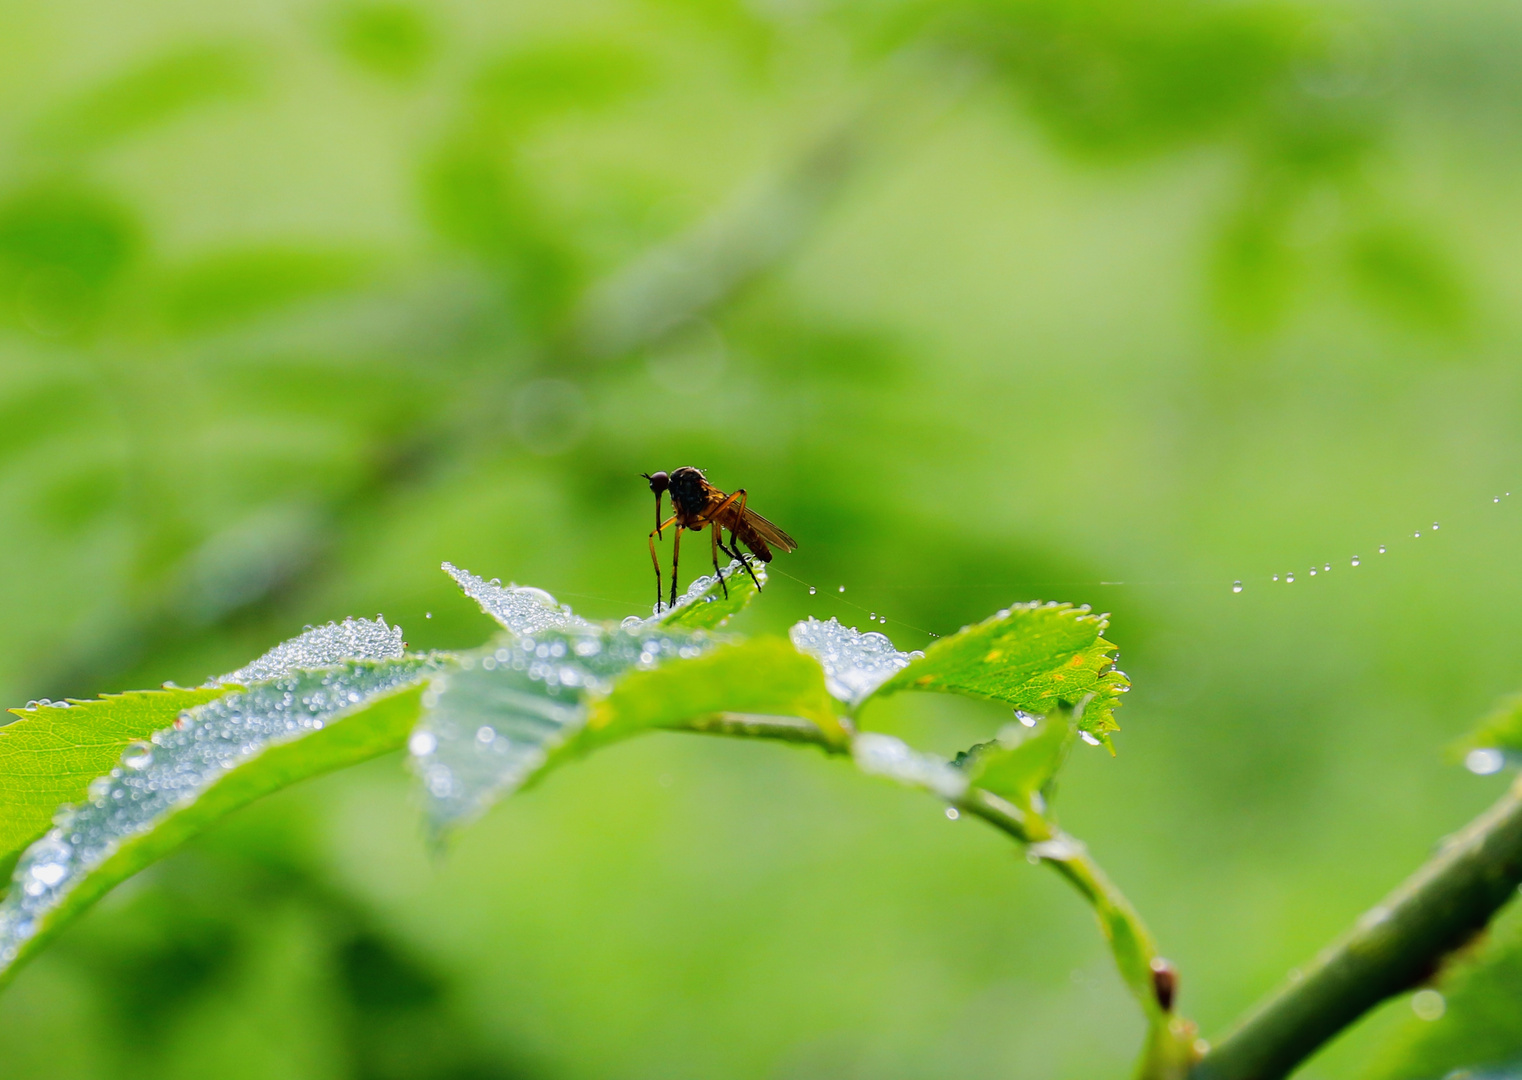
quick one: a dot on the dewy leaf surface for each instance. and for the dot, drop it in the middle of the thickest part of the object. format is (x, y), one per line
(214, 759)
(491, 727)
(50, 755)
(519, 608)
(855, 664)
(704, 606)
(1032, 656)
(322, 646)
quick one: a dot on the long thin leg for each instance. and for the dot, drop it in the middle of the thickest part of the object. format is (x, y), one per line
(715, 551)
(659, 525)
(733, 551)
(676, 553)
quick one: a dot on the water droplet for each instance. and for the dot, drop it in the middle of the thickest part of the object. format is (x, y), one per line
(138, 755)
(1327, 569)
(427, 614)
(1484, 761)
(1428, 1004)
(1086, 737)
(1416, 536)
(1355, 560)
(841, 589)
(951, 812)
(1236, 586)
(1313, 571)
(812, 590)
(1496, 499)
(1276, 577)
(1434, 526)
(872, 615)
(1025, 718)
(1381, 549)
(1289, 578)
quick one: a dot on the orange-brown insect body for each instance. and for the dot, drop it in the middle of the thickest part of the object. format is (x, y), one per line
(697, 505)
(694, 499)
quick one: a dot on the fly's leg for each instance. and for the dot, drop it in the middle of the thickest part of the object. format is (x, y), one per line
(715, 551)
(733, 551)
(659, 525)
(676, 552)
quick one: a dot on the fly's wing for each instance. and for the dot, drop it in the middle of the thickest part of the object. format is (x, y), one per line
(769, 532)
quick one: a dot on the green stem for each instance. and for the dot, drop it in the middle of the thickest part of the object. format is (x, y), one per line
(1171, 1041)
(1394, 947)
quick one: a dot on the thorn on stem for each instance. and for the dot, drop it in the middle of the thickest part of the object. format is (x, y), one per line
(1164, 982)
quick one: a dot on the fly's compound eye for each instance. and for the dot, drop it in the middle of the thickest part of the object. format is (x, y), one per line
(659, 482)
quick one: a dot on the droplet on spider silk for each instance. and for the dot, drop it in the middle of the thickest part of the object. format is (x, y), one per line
(1381, 549)
(1313, 571)
(1435, 526)
(1276, 577)
(1327, 569)
(1496, 499)
(841, 589)
(812, 590)
(1290, 578)
(1355, 560)
(1236, 586)
(1416, 536)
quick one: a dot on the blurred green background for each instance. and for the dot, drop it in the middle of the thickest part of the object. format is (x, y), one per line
(982, 300)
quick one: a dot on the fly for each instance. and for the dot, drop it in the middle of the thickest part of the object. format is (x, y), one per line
(699, 505)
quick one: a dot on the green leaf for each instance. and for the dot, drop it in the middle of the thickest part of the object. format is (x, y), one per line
(707, 604)
(50, 755)
(1477, 1028)
(1021, 762)
(765, 675)
(214, 759)
(1032, 656)
(1500, 729)
(516, 709)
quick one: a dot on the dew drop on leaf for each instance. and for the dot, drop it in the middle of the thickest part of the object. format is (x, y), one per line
(1086, 737)
(1484, 761)
(138, 755)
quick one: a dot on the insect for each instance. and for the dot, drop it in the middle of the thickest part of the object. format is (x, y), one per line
(698, 505)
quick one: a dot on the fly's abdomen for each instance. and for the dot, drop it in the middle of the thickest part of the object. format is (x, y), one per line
(751, 539)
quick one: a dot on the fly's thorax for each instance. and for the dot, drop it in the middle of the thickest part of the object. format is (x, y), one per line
(689, 491)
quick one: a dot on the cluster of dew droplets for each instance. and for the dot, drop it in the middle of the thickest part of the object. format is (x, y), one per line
(855, 663)
(322, 646)
(174, 768)
(520, 608)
